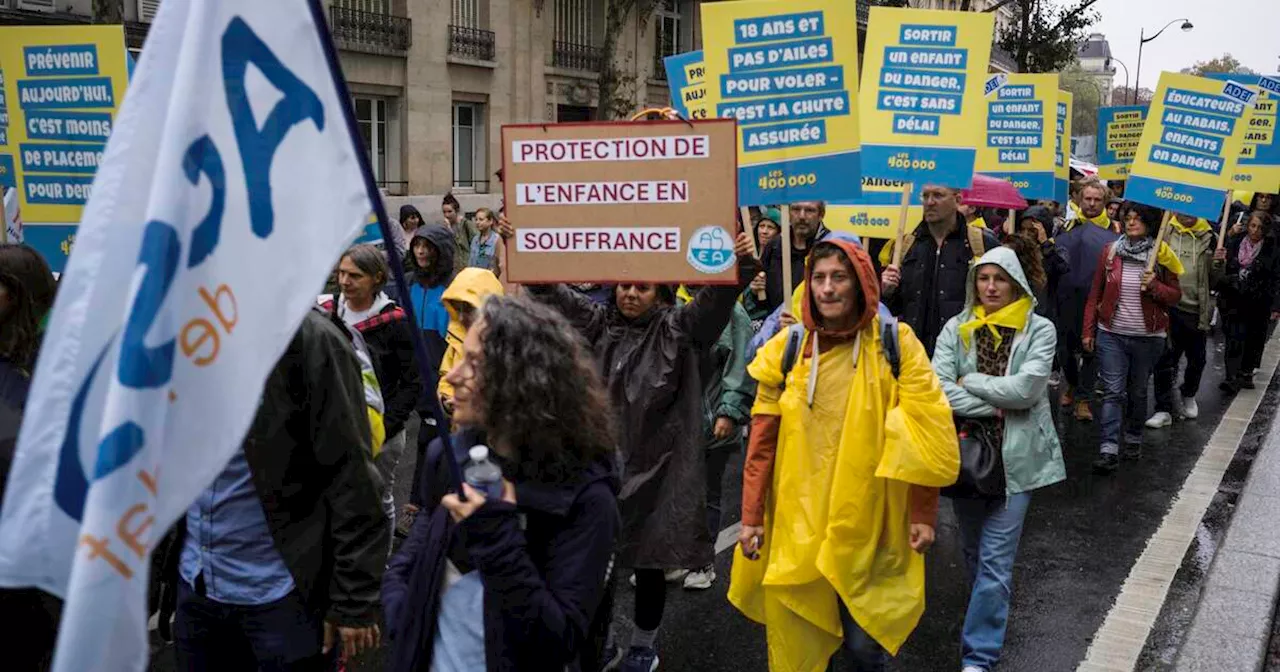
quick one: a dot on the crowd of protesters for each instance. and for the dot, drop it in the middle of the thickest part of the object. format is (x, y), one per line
(888, 380)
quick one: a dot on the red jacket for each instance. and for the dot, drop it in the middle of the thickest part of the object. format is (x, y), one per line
(1162, 293)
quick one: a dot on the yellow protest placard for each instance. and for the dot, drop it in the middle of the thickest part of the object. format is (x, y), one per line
(1022, 119)
(1258, 168)
(59, 91)
(686, 78)
(1062, 150)
(923, 114)
(875, 213)
(787, 71)
(1190, 145)
(1119, 134)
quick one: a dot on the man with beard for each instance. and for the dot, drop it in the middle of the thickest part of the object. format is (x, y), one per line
(807, 229)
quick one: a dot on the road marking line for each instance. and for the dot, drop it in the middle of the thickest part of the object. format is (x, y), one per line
(1119, 642)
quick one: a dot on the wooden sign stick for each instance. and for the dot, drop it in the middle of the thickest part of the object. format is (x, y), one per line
(4, 220)
(1009, 225)
(745, 213)
(902, 225)
(1226, 217)
(1155, 251)
(786, 257)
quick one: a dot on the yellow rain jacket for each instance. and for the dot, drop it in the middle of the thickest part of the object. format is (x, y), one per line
(471, 286)
(836, 522)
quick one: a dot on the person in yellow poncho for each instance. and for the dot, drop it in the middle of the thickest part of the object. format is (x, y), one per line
(840, 484)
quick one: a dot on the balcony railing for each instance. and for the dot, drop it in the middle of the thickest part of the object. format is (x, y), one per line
(472, 43)
(371, 31)
(576, 57)
(659, 68)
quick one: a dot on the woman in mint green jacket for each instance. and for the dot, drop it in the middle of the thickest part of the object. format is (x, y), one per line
(994, 360)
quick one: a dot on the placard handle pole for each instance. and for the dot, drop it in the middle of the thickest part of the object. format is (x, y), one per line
(1226, 217)
(1009, 224)
(902, 224)
(786, 257)
(1155, 251)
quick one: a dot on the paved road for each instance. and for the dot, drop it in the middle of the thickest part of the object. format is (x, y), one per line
(1081, 538)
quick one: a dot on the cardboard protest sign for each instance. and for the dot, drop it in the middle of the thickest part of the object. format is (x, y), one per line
(613, 202)
(686, 77)
(788, 73)
(1021, 123)
(1190, 145)
(1062, 150)
(1119, 134)
(875, 213)
(1258, 168)
(922, 106)
(59, 90)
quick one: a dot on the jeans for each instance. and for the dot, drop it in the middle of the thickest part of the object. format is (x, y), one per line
(1185, 338)
(282, 636)
(717, 460)
(1126, 363)
(990, 530)
(861, 652)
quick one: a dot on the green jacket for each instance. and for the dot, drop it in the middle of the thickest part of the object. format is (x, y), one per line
(1195, 250)
(727, 389)
(1032, 453)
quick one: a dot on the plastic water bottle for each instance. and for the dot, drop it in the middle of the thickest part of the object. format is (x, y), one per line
(482, 475)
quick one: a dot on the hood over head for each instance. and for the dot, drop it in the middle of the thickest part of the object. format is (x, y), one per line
(471, 286)
(1004, 258)
(441, 238)
(865, 274)
(407, 211)
(1040, 214)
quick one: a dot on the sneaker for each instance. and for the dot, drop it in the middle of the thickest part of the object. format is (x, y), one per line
(670, 576)
(1190, 409)
(700, 579)
(639, 659)
(1246, 383)
(1067, 399)
(1131, 452)
(1229, 386)
(1160, 419)
(1106, 464)
(1083, 412)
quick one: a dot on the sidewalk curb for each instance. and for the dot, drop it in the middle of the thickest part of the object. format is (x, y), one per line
(1232, 624)
(1120, 640)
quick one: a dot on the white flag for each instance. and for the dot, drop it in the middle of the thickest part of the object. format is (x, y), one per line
(230, 185)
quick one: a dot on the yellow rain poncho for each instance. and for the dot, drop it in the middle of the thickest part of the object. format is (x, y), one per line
(836, 523)
(471, 286)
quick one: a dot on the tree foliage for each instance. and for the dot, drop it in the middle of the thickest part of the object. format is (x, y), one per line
(1045, 36)
(617, 89)
(1224, 63)
(108, 11)
(1086, 98)
(1123, 95)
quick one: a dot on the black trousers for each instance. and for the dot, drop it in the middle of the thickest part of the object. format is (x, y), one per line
(1185, 338)
(283, 636)
(1246, 331)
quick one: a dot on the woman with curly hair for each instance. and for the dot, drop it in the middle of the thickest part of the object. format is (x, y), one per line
(514, 583)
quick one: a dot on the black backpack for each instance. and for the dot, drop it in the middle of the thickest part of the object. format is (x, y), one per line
(888, 340)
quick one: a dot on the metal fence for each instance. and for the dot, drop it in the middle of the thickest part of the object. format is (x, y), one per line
(576, 56)
(380, 32)
(471, 43)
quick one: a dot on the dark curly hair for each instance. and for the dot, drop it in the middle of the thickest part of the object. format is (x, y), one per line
(1030, 256)
(26, 277)
(541, 393)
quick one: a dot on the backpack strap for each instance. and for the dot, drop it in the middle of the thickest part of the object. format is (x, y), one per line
(795, 339)
(977, 244)
(889, 339)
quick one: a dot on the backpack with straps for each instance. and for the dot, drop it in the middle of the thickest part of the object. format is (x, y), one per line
(888, 344)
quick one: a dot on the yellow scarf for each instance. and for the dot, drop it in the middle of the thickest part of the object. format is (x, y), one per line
(1101, 221)
(979, 223)
(1200, 226)
(1014, 316)
(1169, 259)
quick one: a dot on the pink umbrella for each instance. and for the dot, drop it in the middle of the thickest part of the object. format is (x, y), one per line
(993, 192)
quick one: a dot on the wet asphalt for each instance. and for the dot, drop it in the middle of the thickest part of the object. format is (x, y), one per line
(1080, 539)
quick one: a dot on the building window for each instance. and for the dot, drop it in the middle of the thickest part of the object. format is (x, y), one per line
(370, 6)
(469, 146)
(667, 36)
(575, 36)
(466, 13)
(371, 117)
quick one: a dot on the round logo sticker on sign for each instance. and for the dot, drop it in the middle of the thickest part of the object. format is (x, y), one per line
(711, 250)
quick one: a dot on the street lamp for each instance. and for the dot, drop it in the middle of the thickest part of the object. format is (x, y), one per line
(1143, 39)
(1113, 59)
